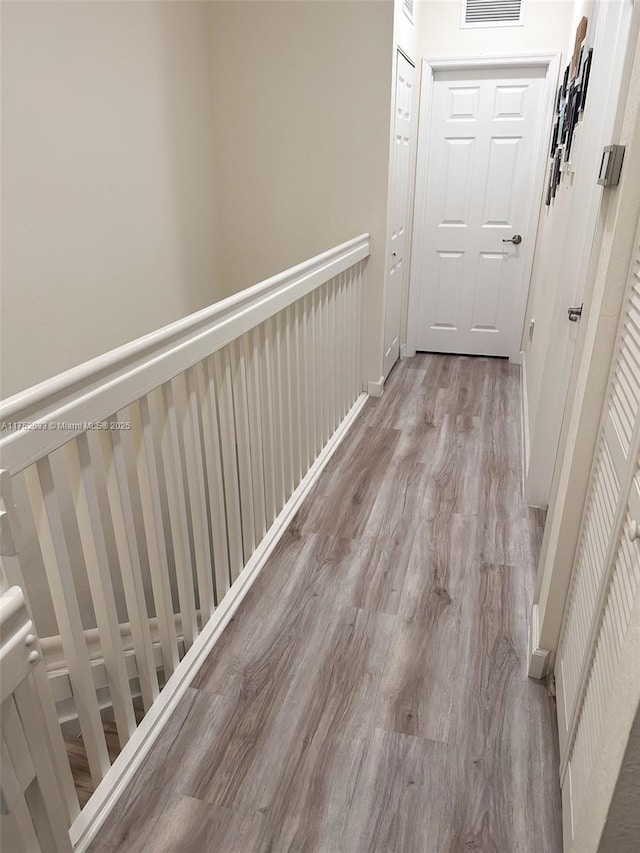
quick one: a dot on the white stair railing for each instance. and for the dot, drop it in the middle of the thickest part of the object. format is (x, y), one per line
(143, 490)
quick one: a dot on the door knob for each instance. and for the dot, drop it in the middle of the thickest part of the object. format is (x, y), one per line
(634, 530)
(516, 240)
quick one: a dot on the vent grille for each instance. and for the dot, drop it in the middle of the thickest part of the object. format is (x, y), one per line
(491, 13)
(408, 7)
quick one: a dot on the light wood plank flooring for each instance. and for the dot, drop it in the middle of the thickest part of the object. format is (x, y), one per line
(371, 694)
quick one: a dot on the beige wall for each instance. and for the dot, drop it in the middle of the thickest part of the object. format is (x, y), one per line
(302, 91)
(107, 171)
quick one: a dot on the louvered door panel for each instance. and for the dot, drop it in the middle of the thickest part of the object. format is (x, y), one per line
(622, 590)
(587, 579)
(606, 574)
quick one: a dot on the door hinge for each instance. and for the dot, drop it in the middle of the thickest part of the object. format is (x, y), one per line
(575, 313)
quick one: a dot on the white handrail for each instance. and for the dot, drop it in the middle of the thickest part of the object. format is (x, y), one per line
(97, 388)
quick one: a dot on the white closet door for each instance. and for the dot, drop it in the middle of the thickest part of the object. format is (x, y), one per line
(606, 573)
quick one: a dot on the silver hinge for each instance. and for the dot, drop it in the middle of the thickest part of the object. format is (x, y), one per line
(575, 314)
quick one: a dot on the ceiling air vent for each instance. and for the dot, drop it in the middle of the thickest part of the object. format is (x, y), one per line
(408, 8)
(492, 13)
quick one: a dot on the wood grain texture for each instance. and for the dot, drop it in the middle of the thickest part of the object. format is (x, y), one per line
(79, 763)
(370, 694)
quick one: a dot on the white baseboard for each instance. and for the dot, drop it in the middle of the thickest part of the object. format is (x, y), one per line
(538, 658)
(376, 387)
(86, 826)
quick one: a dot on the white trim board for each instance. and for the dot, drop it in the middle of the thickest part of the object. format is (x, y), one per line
(86, 826)
(524, 414)
(375, 387)
(550, 61)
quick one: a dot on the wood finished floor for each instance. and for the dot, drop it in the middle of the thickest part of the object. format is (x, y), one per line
(371, 694)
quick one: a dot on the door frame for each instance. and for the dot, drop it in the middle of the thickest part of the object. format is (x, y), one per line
(429, 67)
(392, 172)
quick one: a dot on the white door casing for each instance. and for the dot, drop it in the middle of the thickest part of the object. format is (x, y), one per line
(399, 209)
(481, 156)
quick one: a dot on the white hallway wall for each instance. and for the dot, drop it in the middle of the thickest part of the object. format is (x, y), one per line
(545, 30)
(108, 191)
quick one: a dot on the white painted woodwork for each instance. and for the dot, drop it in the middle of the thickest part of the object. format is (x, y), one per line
(81, 470)
(129, 559)
(222, 373)
(222, 424)
(171, 459)
(149, 483)
(11, 575)
(481, 150)
(199, 512)
(399, 212)
(55, 556)
(33, 816)
(213, 462)
(605, 584)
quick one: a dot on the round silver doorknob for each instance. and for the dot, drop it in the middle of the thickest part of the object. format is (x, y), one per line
(634, 530)
(516, 240)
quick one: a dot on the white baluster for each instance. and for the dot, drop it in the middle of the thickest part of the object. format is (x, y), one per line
(243, 444)
(49, 526)
(317, 361)
(251, 356)
(45, 802)
(302, 392)
(213, 462)
(222, 373)
(178, 514)
(325, 388)
(153, 525)
(310, 377)
(85, 498)
(197, 497)
(268, 420)
(122, 518)
(359, 279)
(294, 395)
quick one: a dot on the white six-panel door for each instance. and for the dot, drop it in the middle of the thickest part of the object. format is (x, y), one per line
(482, 150)
(399, 203)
